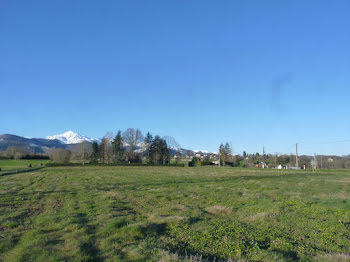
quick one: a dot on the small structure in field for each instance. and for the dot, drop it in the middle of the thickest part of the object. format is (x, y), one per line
(281, 167)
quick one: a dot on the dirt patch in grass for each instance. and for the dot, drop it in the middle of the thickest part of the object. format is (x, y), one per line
(259, 217)
(339, 257)
(218, 210)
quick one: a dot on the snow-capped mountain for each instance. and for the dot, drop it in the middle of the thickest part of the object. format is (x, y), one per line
(70, 137)
(33, 145)
(68, 140)
(201, 151)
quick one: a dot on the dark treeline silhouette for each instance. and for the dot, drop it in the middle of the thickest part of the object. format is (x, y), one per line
(130, 147)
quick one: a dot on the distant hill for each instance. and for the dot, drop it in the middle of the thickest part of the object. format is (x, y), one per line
(70, 139)
(34, 145)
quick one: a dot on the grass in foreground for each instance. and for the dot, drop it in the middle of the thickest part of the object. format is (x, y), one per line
(170, 214)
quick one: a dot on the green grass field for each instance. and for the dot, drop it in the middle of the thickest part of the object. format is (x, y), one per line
(19, 164)
(174, 214)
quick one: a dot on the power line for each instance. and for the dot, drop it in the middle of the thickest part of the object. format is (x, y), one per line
(296, 156)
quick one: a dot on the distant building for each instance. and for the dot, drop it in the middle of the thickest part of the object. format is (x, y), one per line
(216, 162)
(281, 167)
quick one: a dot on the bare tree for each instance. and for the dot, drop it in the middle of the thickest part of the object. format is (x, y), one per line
(83, 151)
(16, 152)
(105, 150)
(172, 143)
(132, 137)
(109, 135)
(60, 155)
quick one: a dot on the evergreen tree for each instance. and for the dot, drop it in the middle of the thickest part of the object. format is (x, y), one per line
(95, 152)
(228, 150)
(158, 152)
(118, 148)
(222, 154)
(153, 153)
(228, 153)
(165, 156)
(148, 141)
(148, 138)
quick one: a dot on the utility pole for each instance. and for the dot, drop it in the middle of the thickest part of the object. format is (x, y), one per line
(263, 155)
(315, 161)
(296, 156)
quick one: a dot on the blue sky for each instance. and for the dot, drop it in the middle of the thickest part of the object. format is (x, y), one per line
(253, 73)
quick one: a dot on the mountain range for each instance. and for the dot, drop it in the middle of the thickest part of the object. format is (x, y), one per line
(34, 145)
(69, 139)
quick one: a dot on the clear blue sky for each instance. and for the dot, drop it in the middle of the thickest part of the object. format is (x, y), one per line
(254, 73)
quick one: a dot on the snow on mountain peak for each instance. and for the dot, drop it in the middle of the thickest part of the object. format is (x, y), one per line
(70, 137)
(202, 151)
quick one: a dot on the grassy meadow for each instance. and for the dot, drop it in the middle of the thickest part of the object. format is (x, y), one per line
(174, 214)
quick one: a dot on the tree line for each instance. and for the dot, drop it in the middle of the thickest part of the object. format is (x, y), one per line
(129, 146)
(17, 152)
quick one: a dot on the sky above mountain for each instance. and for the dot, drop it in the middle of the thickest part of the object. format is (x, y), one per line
(253, 73)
